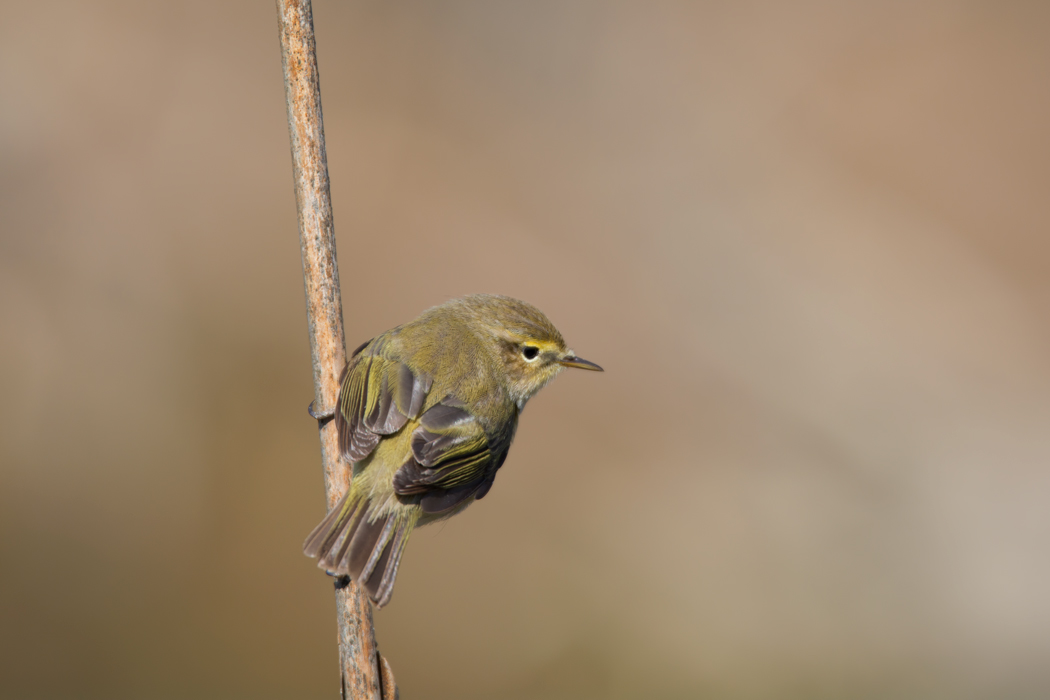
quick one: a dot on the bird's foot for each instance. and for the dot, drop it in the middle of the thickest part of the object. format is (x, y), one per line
(321, 418)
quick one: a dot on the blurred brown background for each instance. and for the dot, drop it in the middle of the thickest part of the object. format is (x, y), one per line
(809, 243)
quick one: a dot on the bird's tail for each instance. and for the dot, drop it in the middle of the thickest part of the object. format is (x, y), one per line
(353, 541)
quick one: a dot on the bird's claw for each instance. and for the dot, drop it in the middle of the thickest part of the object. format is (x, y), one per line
(321, 418)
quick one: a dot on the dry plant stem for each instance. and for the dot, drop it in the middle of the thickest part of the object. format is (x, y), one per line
(364, 673)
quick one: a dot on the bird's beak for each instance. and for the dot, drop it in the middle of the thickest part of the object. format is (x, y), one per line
(573, 361)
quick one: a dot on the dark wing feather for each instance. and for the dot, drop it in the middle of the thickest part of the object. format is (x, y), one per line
(452, 458)
(377, 396)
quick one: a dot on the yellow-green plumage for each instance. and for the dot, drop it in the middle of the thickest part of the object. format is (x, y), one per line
(426, 413)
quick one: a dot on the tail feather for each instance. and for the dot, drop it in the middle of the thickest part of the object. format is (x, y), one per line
(377, 550)
(348, 542)
(320, 539)
(384, 588)
(366, 540)
(336, 557)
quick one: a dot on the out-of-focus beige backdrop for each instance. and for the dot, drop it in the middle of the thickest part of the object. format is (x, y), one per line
(808, 242)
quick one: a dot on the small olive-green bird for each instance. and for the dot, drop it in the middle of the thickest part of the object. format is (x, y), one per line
(426, 414)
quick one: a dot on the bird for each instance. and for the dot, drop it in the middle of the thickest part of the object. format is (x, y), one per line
(426, 414)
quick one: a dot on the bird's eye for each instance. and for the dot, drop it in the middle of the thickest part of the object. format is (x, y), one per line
(530, 352)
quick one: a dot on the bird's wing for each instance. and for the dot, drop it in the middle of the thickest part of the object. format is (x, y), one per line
(452, 458)
(377, 396)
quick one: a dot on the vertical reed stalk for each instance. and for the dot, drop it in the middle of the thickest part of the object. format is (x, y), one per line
(365, 674)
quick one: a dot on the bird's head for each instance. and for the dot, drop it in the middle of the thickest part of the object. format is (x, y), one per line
(528, 347)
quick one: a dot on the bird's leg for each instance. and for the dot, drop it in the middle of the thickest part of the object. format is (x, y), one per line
(341, 582)
(321, 418)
